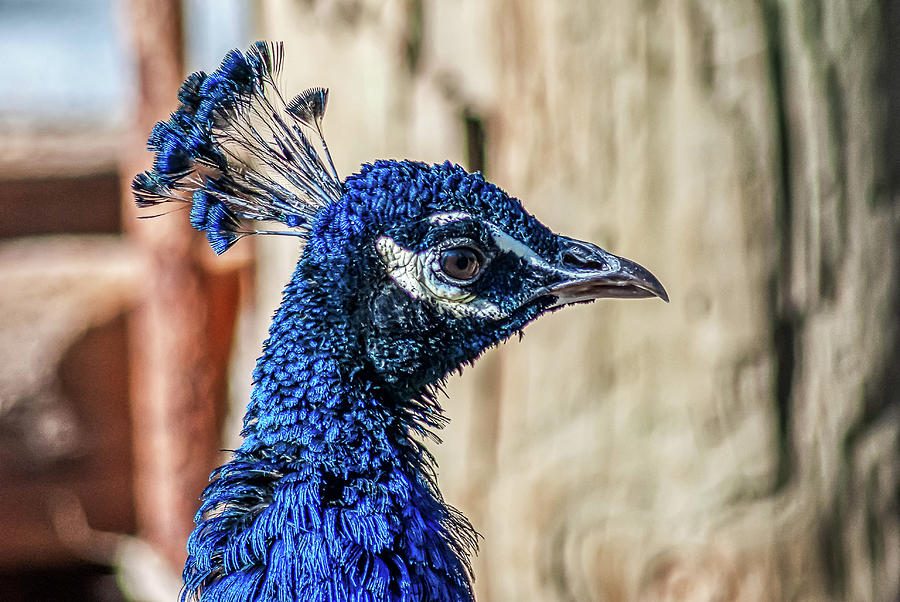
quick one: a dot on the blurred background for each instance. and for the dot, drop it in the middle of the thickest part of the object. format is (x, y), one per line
(741, 443)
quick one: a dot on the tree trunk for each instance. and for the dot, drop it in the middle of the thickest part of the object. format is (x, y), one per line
(740, 443)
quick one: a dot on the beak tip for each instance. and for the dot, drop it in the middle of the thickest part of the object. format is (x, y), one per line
(652, 284)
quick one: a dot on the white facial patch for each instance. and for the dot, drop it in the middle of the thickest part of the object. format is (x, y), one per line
(415, 273)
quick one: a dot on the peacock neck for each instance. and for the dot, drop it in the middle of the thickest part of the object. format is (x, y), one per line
(314, 399)
(330, 478)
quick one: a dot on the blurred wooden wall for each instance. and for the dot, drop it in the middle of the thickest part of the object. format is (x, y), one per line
(740, 443)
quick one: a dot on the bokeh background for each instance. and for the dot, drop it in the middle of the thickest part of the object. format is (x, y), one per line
(741, 443)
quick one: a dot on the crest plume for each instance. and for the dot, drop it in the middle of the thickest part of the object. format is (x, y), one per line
(239, 154)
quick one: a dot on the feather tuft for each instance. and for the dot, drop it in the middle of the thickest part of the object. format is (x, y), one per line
(189, 93)
(230, 152)
(309, 106)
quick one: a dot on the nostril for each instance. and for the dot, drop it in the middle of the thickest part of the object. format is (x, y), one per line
(576, 261)
(570, 260)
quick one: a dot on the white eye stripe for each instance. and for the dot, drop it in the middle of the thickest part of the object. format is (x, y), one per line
(507, 243)
(439, 219)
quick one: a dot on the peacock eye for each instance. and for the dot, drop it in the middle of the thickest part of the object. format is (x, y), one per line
(461, 263)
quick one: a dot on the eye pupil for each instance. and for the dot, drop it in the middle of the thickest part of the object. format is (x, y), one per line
(461, 263)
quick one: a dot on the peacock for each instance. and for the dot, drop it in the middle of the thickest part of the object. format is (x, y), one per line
(408, 272)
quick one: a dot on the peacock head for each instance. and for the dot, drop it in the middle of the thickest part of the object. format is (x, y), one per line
(421, 267)
(434, 265)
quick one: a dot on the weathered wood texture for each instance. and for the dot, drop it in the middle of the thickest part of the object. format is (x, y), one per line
(740, 443)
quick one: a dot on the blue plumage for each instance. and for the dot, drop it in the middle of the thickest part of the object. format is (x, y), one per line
(409, 271)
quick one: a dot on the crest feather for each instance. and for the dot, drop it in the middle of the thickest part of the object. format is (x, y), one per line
(239, 154)
(309, 106)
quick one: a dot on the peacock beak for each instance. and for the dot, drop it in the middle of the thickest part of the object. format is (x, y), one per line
(586, 272)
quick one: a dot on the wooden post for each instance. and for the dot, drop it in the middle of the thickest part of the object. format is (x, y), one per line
(181, 329)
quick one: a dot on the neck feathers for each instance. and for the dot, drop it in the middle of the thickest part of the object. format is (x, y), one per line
(329, 497)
